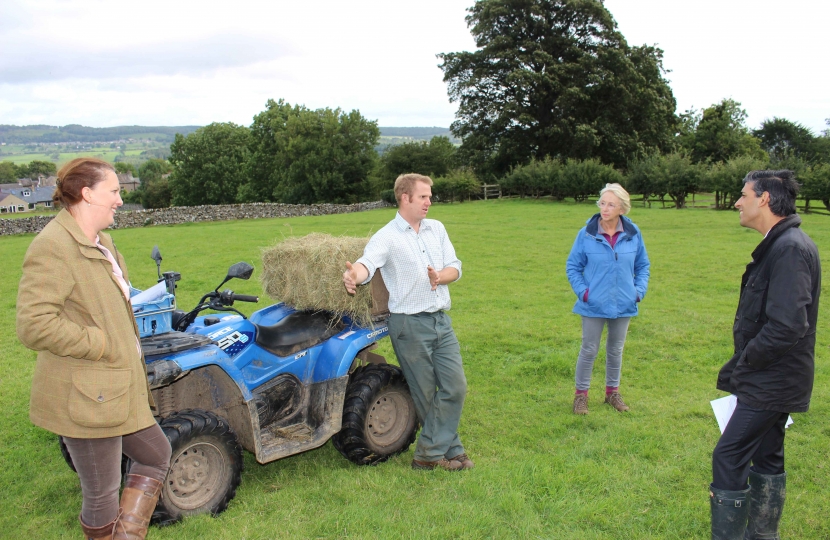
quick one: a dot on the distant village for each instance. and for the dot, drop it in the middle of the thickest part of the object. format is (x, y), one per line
(29, 195)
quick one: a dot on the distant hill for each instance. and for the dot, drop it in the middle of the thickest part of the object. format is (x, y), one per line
(415, 132)
(76, 133)
(163, 134)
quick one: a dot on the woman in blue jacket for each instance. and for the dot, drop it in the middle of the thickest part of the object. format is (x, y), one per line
(608, 269)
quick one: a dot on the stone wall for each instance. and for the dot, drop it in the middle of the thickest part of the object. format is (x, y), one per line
(190, 214)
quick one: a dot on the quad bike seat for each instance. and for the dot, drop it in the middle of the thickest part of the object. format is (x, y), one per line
(298, 331)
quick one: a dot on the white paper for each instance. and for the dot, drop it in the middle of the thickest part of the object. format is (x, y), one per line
(725, 406)
(153, 293)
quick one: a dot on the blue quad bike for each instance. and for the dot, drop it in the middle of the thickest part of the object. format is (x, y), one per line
(276, 384)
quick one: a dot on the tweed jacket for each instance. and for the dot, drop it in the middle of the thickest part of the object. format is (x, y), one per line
(89, 380)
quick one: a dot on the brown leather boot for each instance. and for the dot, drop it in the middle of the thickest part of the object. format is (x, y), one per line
(103, 532)
(138, 500)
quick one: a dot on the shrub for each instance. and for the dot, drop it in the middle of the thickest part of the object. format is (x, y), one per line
(388, 195)
(726, 179)
(656, 176)
(537, 178)
(583, 179)
(815, 184)
(459, 184)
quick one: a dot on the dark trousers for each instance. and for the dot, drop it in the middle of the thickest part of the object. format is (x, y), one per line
(752, 435)
(98, 462)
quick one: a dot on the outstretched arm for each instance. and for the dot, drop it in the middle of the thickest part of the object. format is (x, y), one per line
(354, 274)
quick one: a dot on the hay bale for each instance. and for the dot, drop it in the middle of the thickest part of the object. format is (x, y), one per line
(307, 273)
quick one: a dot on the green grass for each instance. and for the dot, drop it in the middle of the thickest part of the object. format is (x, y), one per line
(29, 213)
(541, 472)
(23, 154)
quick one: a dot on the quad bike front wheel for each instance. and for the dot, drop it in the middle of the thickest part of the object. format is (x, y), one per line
(205, 467)
(379, 418)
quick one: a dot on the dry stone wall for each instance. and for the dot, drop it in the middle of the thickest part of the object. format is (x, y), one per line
(191, 214)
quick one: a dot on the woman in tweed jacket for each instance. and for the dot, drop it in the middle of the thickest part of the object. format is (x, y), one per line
(90, 384)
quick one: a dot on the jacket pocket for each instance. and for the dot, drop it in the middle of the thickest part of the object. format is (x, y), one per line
(753, 300)
(100, 398)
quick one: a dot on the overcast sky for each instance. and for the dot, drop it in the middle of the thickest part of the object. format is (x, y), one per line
(174, 62)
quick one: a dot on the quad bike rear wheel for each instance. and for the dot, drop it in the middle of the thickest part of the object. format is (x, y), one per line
(379, 418)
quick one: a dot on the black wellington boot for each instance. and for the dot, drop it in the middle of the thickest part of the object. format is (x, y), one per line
(730, 510)
(767, 494)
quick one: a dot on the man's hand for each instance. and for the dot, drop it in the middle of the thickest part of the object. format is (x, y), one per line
(350, 278)
(433, 277)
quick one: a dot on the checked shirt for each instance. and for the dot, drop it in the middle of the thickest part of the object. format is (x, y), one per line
(402, 255)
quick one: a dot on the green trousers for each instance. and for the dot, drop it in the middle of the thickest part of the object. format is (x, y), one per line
(430, 357)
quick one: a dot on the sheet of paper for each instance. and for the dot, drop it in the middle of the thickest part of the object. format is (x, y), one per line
(725, 406)
(153, 293)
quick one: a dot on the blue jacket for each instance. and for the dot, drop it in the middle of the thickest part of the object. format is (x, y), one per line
(616, 278)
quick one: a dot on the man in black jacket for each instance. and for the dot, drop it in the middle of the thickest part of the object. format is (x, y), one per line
(771, 371)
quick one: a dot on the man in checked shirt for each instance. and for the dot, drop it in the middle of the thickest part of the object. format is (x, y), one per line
(417, 262)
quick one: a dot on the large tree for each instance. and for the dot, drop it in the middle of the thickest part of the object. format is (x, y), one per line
(209, 164)
(785, 140)
(154, 189)
(8, 171)
(37, 168)
(305, 156)
(434, 158)
(555, 78)
(718, 133)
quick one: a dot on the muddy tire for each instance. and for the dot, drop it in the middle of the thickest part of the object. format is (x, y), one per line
(205, 467)
(379, 418)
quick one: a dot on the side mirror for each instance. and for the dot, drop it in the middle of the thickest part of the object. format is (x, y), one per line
(240, 270)
(156, 256)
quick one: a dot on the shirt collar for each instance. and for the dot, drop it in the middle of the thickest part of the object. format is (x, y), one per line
(403, 225)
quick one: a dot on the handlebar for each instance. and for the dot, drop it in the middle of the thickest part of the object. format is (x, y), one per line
(227, 297)
(215, 300)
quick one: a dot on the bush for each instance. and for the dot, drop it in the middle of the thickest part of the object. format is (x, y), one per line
(583, 179)
(726, 179)
(815, 185)
(537, 179)
(459, 184)
(682, 178)
(645, 177)
(388, 195)
(657, 175)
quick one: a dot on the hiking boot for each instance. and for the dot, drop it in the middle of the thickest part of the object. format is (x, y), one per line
(443, 463)
(464, 460)
(615, 400)
(581, 404)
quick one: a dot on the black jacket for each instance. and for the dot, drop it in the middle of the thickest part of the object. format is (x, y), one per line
(775, 326)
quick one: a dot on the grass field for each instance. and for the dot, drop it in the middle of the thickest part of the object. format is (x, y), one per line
(541, 472)
(23, 154)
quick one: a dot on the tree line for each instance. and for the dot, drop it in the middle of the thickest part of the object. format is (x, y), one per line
(10, 172)
(553, 102)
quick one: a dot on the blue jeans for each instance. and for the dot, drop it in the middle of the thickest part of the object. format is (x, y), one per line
(591, 334)
(430, 357)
